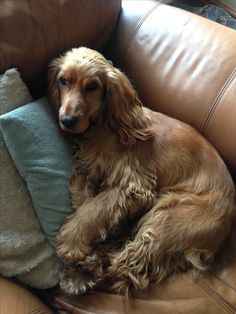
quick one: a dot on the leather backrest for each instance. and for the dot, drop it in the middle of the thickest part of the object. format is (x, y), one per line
(33, 32)
(182, 65)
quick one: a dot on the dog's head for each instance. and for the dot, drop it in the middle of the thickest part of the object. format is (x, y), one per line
(84, 88)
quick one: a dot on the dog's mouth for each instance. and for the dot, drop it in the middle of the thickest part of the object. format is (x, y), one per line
(79, 123)
(82, 125)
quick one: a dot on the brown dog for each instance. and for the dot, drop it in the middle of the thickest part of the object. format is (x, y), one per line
(133, 162)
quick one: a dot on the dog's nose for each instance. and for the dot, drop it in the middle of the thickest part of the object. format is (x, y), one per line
(68, 121)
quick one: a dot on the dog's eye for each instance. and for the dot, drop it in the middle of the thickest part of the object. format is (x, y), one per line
(63, 81)
(92, 86)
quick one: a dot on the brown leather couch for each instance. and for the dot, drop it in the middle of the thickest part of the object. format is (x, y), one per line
(182, 65)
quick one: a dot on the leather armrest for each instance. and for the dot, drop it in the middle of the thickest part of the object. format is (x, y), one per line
(183, 65)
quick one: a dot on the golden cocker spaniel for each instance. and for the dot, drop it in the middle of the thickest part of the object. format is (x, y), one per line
(151, 195)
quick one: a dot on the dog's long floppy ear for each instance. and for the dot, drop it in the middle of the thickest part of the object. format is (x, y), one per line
(53, 87)
(124, 109)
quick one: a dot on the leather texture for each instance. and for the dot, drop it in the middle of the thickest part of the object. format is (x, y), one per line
(33, 32)
(182, 65)
(16, 299)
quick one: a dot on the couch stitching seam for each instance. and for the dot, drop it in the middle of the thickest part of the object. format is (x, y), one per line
(230, 86)
(216, 102)
(224, 283)
(216, 296)
(140, 23)
(137, 27)
(221, 301)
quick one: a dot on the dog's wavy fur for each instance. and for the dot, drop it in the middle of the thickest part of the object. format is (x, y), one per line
(134, 165)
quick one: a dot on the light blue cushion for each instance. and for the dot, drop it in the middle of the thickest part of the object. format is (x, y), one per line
(43, 158)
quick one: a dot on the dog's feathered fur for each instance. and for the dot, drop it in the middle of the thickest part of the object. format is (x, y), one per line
(134, 164)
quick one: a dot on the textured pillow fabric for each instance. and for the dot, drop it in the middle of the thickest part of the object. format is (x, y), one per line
(24, 249)
(44, 160)
(13, 91)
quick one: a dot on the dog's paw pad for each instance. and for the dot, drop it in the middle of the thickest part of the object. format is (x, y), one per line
(75, 283)
(68, 285)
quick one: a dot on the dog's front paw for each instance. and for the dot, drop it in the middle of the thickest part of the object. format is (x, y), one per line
(72, 245)
(75, 282)
(75, 246)
(70, 252)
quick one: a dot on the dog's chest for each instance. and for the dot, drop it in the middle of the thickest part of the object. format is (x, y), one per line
(100, 157)
(109, 164)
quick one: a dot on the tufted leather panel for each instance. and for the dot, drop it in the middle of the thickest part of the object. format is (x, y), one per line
(182, 65)
(34, 32)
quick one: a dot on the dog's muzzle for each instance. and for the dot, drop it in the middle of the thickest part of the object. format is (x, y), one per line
(68, 121)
